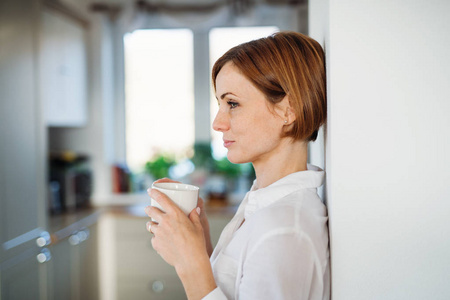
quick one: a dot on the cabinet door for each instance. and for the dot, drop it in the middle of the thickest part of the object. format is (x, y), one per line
(60, 271)
(87, 260)
(23, 277)
(73, 269)
(63, 70)
(22, 176)
(140, 273)
(136, 270)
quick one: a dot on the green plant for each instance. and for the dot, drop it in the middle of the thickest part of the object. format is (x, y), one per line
(225, 167)
(159, 166)
(202, 156)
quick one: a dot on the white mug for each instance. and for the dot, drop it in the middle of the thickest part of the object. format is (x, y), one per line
(184, 195)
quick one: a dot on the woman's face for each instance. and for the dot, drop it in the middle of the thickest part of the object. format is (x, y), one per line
(251, 132)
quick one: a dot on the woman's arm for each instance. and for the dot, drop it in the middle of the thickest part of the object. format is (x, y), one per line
(198, 280)
(180, 240)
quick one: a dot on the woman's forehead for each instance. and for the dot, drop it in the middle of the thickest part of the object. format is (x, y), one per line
(230, 80)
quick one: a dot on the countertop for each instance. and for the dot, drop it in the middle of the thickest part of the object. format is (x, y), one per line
(64, 225)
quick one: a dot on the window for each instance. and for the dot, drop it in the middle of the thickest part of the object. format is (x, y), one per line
(220, 41)
(159, 94)
(159, 89)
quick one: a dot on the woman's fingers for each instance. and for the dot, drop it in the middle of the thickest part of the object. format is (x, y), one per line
(200, 202)
(152, 227)
(195, 218)
(165, 179)
(167, 205)
(154, 213)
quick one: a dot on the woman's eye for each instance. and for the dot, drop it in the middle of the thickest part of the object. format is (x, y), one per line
(232, 104)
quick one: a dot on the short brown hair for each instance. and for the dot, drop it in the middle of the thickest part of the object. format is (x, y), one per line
(285, 63)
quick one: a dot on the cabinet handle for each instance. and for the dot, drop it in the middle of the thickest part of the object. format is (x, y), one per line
(44, 239)
(83, 234)
(74, 239)
(44, 256)
(79, 237)
(157, 286)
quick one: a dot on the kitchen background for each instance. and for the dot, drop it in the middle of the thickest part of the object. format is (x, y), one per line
(98, 99)
(90, 113)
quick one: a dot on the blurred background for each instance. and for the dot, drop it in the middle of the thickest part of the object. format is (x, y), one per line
(126, 84)
(99, 98)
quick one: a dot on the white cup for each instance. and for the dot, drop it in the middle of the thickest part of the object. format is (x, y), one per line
(184, 195)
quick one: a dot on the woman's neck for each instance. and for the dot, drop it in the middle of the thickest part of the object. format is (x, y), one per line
(289, 158)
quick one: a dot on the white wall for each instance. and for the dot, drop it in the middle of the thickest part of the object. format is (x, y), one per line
(387, 146)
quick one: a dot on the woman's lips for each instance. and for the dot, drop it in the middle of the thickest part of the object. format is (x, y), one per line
(227, 143)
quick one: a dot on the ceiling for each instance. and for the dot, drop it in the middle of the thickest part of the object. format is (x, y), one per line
(198, 3)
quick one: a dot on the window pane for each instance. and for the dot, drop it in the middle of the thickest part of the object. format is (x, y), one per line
(159, 94)
(220, 41)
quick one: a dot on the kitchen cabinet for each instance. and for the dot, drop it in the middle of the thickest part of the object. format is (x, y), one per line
(22, 179)
(63, 69)
(64, 267)
(21, 278)
(26, 265)
(73, 269)
(22, 154)
(60, 271)
(136, 270)
(87, 259)
(141, 272)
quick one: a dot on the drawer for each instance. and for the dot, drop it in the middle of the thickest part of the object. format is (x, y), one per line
(155, 288)
(137, 258)
(131, 228)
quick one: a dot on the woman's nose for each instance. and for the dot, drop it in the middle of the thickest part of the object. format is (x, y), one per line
(221, 122)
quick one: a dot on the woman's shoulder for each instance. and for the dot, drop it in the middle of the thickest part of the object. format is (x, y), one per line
(291, 208)
(298, 213)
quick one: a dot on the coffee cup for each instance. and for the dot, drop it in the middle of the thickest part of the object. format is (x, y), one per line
(183, 195)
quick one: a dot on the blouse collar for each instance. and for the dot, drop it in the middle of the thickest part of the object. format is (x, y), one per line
(313, 177)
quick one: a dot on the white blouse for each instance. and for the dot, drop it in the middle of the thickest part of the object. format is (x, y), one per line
(281, 250)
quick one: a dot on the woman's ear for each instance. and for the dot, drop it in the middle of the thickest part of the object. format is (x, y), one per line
(285, 111)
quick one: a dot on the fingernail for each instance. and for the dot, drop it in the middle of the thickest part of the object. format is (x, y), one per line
(148, 190)
(198, 210)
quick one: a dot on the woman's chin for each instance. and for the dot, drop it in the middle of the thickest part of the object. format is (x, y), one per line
(236, 159)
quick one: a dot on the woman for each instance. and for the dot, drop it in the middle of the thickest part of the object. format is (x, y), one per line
(272, 101)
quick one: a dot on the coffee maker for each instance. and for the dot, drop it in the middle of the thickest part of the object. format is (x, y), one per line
(70, 182)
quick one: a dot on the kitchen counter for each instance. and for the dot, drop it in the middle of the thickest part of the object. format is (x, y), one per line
(64, 225)
(137, 210)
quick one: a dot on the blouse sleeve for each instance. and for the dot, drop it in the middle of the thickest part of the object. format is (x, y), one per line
(282, 266)
(216, 294)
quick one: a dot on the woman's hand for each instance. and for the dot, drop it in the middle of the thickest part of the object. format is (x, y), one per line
(178, 238)
(180, 241)
(203, 218)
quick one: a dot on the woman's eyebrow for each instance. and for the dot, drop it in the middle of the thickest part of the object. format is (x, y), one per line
(223, 96)
(226, 94)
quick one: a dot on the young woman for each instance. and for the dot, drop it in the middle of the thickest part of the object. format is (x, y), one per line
(272, 101)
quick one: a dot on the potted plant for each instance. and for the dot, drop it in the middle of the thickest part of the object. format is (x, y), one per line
(159, 166)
